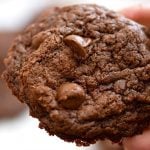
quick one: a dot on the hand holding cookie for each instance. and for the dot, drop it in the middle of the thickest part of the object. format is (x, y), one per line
(141, 15)
(84, 72)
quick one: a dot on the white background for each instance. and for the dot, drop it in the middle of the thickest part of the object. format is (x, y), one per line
(23, 133)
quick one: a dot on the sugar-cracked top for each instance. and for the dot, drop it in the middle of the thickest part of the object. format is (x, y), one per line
(84, 72)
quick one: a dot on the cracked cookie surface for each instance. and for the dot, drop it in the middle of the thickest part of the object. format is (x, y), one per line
(84, 72)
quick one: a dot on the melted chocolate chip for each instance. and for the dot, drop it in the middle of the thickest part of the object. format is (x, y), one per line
(78, 44)
(38, 39)
(70, 95)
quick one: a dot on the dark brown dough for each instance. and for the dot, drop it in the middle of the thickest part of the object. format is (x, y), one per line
(105, 60)
(9, 106)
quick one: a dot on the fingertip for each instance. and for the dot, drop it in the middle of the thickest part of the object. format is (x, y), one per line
(140, 142)
(132, 12)
(139, 13)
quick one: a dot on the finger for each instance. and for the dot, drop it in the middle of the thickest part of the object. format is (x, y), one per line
(140, 142)
(138, 13)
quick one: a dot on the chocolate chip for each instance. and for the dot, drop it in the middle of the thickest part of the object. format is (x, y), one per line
(70, 95)
(38, 39)
(78, 44)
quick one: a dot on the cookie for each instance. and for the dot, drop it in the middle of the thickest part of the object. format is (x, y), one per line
(84, 72)
(9, 106)
(5, 42)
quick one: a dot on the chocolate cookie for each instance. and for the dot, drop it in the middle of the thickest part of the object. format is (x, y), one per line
(9, 106)
(84, 72)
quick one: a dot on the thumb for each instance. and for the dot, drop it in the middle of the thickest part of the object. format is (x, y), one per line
(138, 13)
(139, 142)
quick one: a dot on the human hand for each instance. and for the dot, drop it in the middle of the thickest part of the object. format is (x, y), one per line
(139, 142)
(142, 15)
(139, 14)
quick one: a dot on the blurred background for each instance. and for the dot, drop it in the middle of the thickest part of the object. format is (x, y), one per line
(17, 129)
